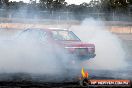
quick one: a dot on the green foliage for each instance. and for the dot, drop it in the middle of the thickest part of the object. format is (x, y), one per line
(58, 5)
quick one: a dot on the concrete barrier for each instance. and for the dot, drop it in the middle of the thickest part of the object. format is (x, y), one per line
(121, 29)
(113, 29)
(24, 26)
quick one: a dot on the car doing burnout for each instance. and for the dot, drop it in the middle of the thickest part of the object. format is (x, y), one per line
(65, 39)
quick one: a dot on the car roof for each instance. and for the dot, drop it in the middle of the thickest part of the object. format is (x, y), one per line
(58, 29)
(48, 29)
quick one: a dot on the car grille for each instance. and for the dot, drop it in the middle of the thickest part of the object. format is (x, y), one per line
(91, 50)
(84, 51)
(81, 51)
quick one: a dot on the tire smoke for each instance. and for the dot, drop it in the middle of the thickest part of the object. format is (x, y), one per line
(108, 48)
(31, 55)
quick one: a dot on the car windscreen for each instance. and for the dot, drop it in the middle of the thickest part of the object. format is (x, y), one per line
(64, 35)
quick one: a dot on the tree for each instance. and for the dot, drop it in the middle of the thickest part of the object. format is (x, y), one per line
(46, 4)
(58, 4)
(4, 3)
(52, 4)
(129, 1)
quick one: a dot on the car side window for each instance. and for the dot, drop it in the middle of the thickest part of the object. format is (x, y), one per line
(34, 34)
(43, 36)
(56, 35)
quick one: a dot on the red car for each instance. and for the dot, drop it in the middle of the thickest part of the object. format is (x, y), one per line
(65, 39)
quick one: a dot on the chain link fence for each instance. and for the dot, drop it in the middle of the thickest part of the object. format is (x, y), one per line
(52, 15)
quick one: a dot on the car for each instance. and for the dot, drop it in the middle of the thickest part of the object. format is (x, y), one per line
(64, 38)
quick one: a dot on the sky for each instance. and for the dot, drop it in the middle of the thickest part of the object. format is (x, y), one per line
(69, 1)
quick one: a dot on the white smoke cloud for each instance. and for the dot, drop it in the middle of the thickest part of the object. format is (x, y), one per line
(109, 51)
(26, 55)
